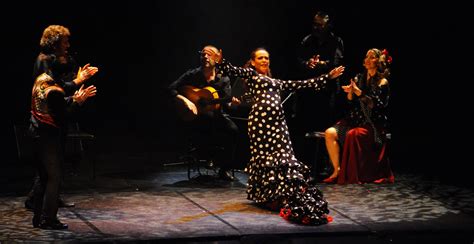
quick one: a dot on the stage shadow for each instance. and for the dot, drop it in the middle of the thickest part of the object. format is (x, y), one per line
(207, 181)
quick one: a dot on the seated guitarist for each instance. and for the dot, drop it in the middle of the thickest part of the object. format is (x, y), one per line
(208, 118)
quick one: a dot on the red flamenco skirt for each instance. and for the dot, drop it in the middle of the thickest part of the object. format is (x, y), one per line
(363, 161)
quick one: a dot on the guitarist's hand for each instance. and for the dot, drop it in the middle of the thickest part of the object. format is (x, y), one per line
(190, 105)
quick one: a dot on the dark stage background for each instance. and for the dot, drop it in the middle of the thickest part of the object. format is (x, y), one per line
(142, 46)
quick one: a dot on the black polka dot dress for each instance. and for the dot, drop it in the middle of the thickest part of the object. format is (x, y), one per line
(276, 177)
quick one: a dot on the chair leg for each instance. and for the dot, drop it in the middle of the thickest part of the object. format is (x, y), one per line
(17, 140)
(89, 155)
(189, 171)
(93, 164)
(192, 163)
(315, 162)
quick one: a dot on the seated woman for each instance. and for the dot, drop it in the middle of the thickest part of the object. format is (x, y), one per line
(362, 133)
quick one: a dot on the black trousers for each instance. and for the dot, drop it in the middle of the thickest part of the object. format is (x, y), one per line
(215, 130)
(49, 146)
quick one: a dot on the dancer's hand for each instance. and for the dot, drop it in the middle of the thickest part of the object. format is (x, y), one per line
(336, 72)
(235, 101)
(218, 57)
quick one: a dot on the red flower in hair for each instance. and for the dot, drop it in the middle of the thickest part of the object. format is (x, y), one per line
(388, 58)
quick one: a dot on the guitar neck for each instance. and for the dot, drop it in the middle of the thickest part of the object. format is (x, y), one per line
(246, 98)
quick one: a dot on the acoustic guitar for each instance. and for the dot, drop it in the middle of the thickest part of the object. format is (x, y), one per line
(206, 100)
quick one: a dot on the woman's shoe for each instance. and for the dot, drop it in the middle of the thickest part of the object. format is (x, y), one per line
(330, 180)
(274, 205)
(391, 179)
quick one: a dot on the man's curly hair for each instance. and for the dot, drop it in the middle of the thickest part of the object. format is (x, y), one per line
(52, 35)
